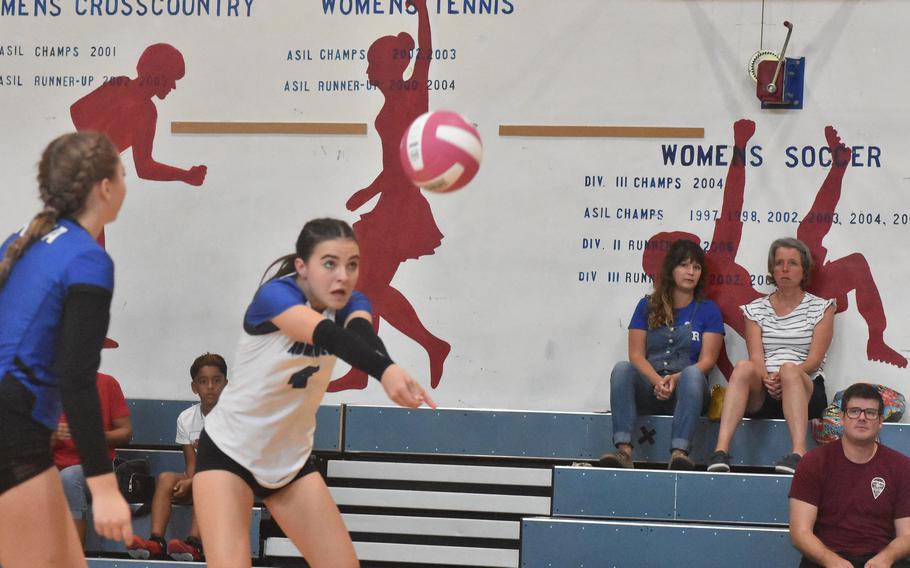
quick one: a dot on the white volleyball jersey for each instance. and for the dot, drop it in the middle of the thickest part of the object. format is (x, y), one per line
(266, 416)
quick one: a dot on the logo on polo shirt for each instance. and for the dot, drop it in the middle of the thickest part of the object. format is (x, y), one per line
(878, 485)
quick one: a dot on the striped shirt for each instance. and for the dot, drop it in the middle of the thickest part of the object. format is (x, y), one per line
(786, 339)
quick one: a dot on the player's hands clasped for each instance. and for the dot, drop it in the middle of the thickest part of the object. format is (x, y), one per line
(113, 518)
(403, 389)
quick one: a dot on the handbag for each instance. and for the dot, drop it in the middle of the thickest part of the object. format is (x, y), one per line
(135, 482)
(717, 402)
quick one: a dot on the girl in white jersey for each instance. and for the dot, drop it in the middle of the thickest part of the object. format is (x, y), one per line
(258, 440)
(787, 336)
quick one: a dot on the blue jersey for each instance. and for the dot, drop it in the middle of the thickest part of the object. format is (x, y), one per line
(699, 317)
(31, 305)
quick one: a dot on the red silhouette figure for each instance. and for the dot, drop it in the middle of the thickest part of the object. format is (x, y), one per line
(401, 225)
(837, 278)
(123, 109)
(730, 284)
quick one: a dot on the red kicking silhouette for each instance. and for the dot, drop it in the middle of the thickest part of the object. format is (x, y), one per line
(835, 279)
(123, 109)
(730, 284)
(401, 225)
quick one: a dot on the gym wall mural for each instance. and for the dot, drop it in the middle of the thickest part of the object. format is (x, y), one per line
(609, 128)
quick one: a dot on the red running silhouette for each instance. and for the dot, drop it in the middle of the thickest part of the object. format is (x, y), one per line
(123, 109)
(401, 225)
(730, 284)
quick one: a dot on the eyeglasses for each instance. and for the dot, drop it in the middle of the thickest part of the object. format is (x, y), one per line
(855, 411)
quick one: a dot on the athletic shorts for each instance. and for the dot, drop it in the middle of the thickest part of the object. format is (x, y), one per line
(209, 457)
(771, 408)
(25, 445)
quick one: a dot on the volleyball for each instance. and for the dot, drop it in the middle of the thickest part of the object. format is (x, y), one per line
(441, 151)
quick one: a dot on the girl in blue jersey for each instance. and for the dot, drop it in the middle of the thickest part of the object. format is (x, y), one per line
(258, 440)
(55, 294)
(675, 337)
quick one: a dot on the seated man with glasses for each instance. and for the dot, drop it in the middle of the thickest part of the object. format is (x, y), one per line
(850, 499)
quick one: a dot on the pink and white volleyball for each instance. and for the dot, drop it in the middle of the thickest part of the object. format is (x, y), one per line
(441, 151)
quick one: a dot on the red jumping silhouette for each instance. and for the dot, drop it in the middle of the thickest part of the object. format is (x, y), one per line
(730, 284)
(401, 225)
(839, 277)
(122, 108)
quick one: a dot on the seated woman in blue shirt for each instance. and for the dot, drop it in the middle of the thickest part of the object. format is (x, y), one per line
(675, 337)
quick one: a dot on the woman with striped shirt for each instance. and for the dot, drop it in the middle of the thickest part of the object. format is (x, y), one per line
(787, 336)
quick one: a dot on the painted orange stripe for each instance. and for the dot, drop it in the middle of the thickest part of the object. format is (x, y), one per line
(600, 131)
(268, 128)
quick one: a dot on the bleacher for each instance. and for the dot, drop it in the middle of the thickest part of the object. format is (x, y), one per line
(504, 488)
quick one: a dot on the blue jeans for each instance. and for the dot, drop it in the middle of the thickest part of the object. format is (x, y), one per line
(75, 489)
(632, 394)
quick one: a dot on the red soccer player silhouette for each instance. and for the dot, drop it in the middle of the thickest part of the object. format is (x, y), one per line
(401, 225)
(730, 284)
(835, 279)
(122, 108)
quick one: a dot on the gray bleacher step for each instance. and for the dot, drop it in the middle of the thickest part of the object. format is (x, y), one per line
(129, 563)
(403, 554)
(474, 432)
(569, 436)
(440, 473)
(670, 495)
(572, 543)
(441, 500)
(155, 423)
(539, 435)
(432, 526)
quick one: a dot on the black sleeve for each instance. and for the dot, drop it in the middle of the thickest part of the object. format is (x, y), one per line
(86, 313)
(351, 348)
(365, 330)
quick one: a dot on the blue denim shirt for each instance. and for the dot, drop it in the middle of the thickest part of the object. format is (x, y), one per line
(672, 348)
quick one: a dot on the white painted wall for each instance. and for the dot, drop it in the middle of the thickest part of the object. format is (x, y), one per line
(504, 286)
